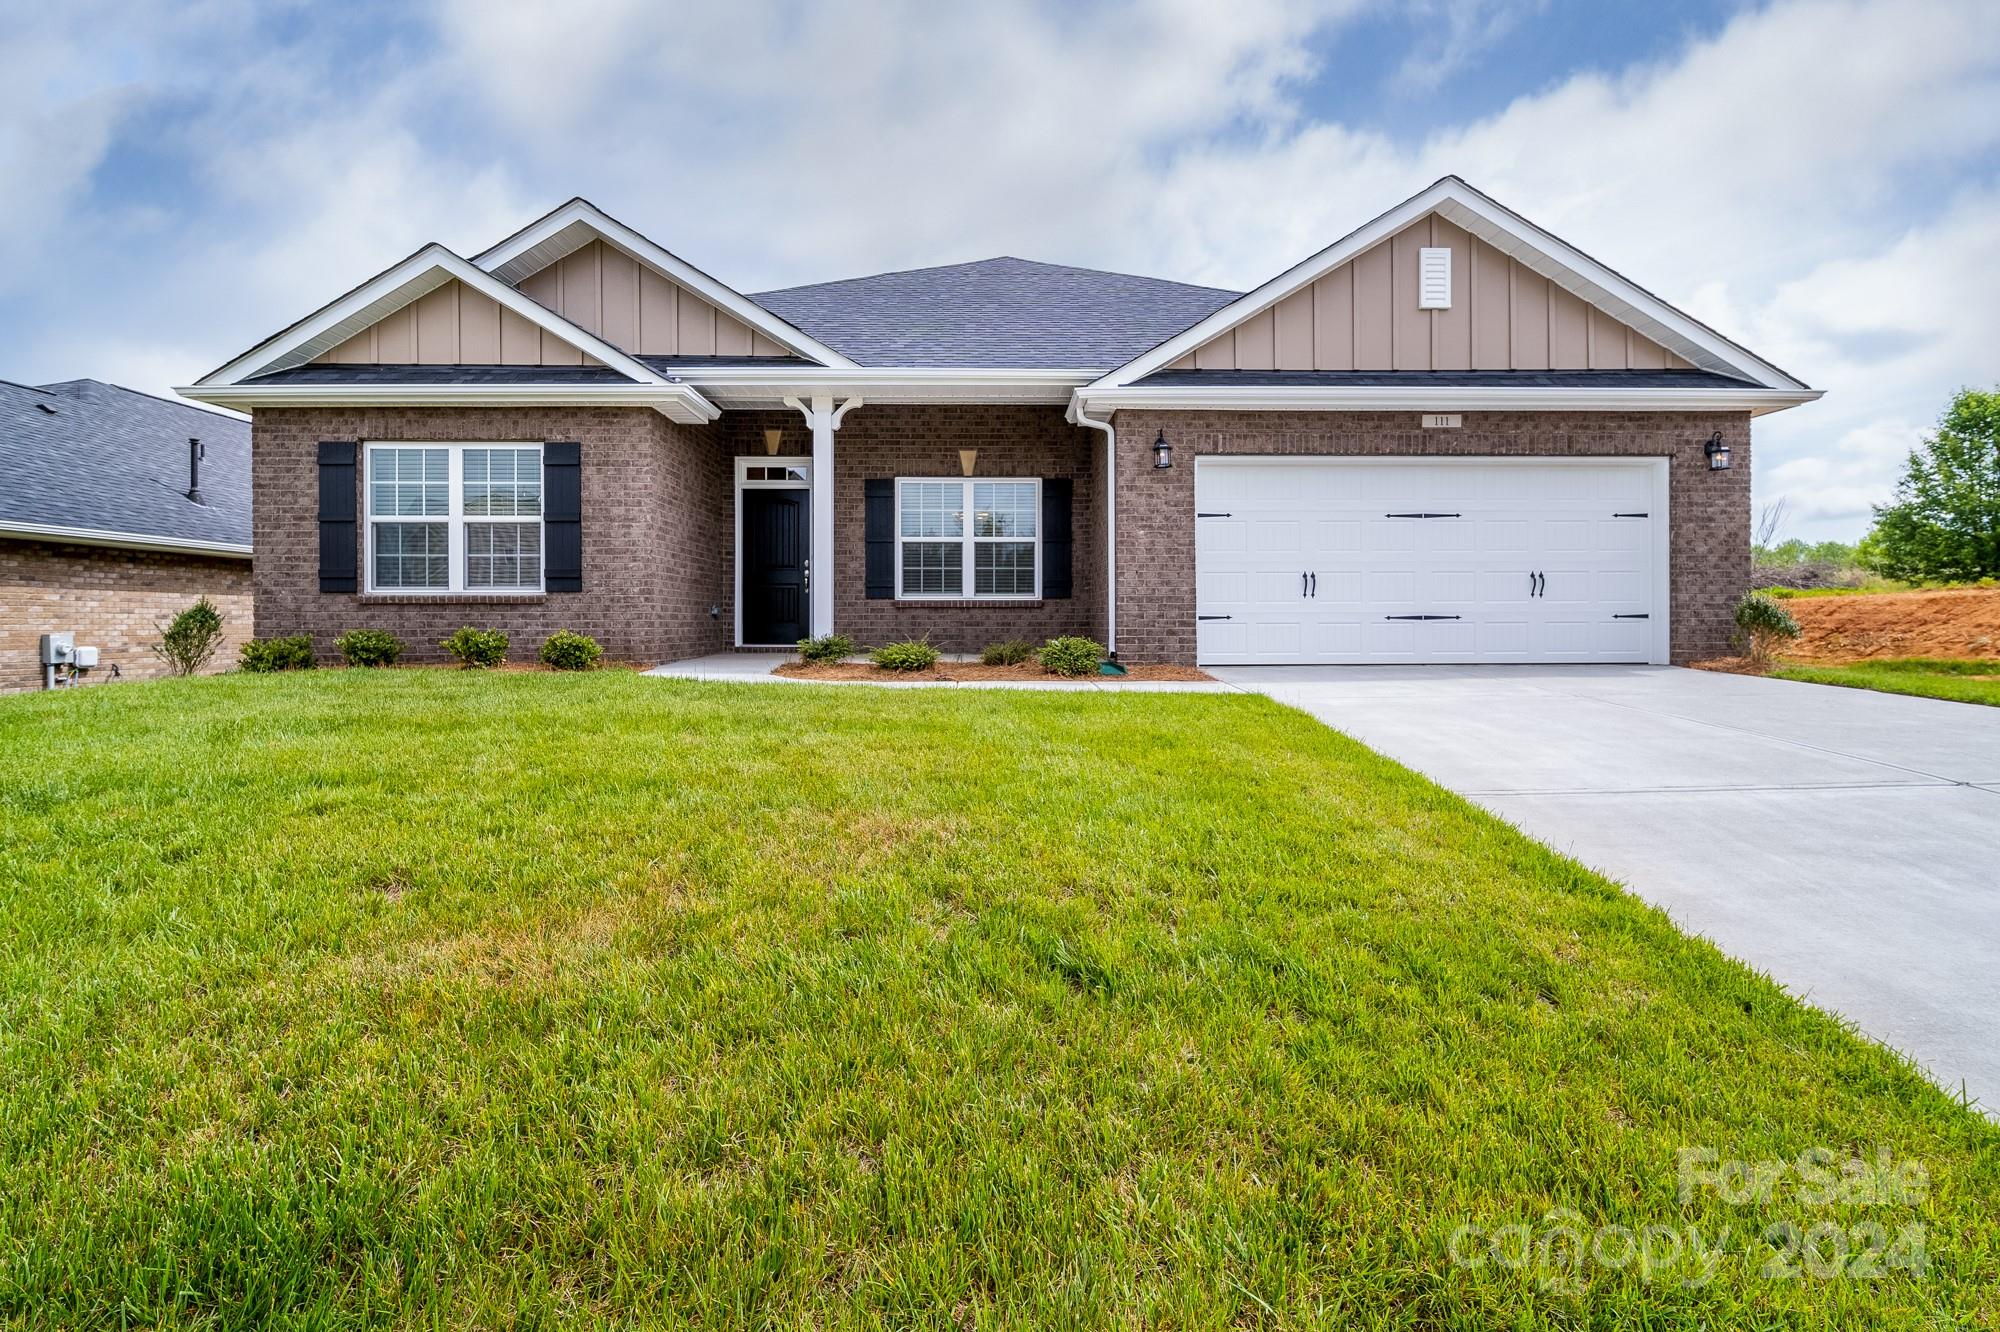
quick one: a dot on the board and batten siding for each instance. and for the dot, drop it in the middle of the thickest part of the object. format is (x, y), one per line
(599, 288)
(1363, 315)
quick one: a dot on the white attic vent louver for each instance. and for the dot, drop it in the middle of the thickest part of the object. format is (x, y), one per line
(1433, 278)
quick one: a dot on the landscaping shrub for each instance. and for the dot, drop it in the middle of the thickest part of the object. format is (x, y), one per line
(190, 638)
(1011, 652)
(567, 651)
(369, 647)
(826, 650)
(1763, 624)
(293, 652)
(1071, 656)
(476, 647)
(912, 655)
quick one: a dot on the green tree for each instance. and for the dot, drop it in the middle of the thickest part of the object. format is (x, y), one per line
(1944, 524)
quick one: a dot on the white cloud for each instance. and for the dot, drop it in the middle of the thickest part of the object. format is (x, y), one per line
(1783, 178)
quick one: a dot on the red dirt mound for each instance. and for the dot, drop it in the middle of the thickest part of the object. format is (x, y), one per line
(1959, 622)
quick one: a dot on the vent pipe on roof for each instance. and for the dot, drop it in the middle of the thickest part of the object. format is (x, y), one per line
(194, 471)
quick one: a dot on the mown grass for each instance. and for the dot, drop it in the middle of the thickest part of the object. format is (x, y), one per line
(1959, 679)
(427, 998)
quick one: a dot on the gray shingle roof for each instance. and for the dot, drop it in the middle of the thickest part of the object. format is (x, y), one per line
(89, 455)
(996, 313)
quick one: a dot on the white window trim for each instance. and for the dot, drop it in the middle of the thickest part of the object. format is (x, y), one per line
(454, 518)
(967, 540)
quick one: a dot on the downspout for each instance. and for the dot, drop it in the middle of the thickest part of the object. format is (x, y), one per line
(1077, 417)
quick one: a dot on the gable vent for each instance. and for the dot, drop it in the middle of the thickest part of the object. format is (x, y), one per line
(1433, 278)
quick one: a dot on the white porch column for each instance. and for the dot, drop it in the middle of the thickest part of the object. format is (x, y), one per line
(823, 419)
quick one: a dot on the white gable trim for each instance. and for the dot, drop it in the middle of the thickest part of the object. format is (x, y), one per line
(1511, 234)
(391, 290)
(578, 222)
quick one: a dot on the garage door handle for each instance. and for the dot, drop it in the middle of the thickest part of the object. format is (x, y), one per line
(1423, 515)
(1420, 617)
(1631, 515)
(1315, 579)
(1212, 515)
(1213, 617)
(1631, 617)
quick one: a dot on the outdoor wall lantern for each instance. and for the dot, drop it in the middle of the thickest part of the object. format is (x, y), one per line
(1718, 453)
(1163, 452)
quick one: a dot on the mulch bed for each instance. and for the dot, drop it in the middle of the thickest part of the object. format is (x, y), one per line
(946, 672)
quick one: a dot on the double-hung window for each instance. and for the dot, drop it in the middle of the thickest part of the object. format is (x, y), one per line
(971, 539)
(454, 517)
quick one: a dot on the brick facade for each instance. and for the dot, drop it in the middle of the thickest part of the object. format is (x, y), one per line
(656, 524)
(659, 515)
(1709, 527)
(112, 600)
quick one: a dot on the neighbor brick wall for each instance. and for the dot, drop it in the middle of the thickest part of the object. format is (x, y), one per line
(656, 532)
(111, 600)
(1708, 537)
(905, 440)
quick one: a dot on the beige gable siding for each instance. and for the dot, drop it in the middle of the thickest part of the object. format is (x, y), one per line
(454, 325)
(1363, 315)
(598, 288)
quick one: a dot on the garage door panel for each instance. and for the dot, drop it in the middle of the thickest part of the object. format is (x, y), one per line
(1309, 565)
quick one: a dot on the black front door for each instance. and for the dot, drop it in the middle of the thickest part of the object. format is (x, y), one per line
(774, 565)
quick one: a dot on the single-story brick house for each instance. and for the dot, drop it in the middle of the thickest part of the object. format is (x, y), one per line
(118, 510)
(1447, 437)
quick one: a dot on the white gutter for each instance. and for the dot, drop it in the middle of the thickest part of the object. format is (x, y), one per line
(678, 402)
(91, 536)
(747, 385)
(1076, 416)
(1756, 401)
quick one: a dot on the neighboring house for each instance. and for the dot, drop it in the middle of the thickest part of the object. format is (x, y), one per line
(99, 533)
(1449, 436)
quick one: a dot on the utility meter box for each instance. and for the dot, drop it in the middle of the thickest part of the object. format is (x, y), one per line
(86, 658)
(58, 649)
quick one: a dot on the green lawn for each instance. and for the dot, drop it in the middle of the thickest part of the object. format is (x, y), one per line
(426, 998)
(1961, 681)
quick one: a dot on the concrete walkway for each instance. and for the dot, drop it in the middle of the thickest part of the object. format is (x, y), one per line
(756, 668)
(1846, 842)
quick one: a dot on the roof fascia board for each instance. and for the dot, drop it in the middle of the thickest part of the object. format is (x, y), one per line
(1500, 226)
(678, 402)
(90, 536)
(527, 245)
(746, 385)
(390, 291)
(1756, 401)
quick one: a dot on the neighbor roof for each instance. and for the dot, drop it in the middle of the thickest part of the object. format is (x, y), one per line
(1003, 313)
(83, 457)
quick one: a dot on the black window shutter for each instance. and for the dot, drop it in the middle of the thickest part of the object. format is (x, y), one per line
(562, 517)
(879, 539)
(1056, 503)
(339, 533)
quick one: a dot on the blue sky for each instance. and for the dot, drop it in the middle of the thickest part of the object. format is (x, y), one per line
(1817, 178)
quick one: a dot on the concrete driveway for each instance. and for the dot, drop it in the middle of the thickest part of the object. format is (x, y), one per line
(1846, 842)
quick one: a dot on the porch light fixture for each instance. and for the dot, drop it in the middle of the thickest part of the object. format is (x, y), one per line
(1718, 453)
(1163, 453)
(772, 439)
(967, 460)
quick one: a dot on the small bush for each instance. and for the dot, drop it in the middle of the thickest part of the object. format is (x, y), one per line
(369, 647)
(190, 638)
(912, 655)
(1073, 656)
(567, 651)
(1011, 652)
(1762, 624)
(826, 649)
(476, 647)
(291, 653)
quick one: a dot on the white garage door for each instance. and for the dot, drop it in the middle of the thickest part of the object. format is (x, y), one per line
(1348, 560)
